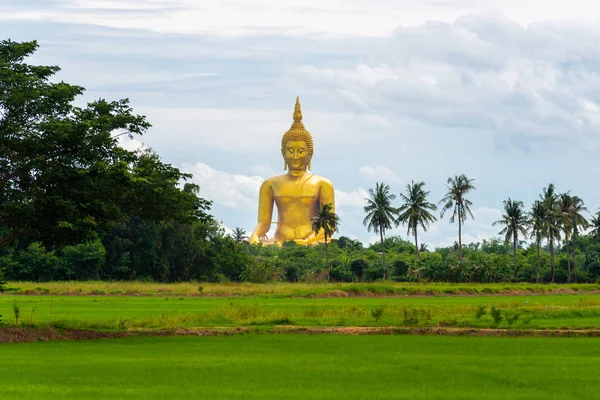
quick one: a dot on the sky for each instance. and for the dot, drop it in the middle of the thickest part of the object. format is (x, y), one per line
(506, 92)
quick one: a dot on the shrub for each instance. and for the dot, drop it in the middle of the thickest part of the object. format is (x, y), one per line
(481, 311)
(341, 274)
(16, 312)
(374, 273)
(412, 316)
(359, 268)
(34, 263)
(85, 260)
(496, 315)
(377, 313)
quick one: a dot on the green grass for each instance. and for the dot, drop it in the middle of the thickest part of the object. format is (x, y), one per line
(284, 289)
(303, 367)
(127, 312)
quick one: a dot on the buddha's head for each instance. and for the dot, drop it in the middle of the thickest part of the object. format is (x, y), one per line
(297, 144)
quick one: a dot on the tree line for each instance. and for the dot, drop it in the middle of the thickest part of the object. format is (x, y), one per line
(554, 216)
(76, 205)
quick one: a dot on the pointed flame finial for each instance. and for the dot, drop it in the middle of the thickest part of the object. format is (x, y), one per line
(297, 111)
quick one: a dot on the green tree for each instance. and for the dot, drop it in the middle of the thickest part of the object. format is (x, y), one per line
(455, 200)
(416, 210)
(239, 235)
(537, 220)
(63, 177)
(380, 214)
(572, 222)
(328, 221)
(47, 141)
(514, 221)
(552, 221)
(595, 225)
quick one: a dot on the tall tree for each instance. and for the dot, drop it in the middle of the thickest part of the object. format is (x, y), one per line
(537, 220)
(455, 200)
(571, 208)
(380, 214)
(64, 178)
(595, 225)
(514, 221)
(239, 235)
(48, 147)
(552, 222)
(416, 210)
(328, 221)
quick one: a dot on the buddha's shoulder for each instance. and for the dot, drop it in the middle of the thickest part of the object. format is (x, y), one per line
(321, 180)
(276, 179)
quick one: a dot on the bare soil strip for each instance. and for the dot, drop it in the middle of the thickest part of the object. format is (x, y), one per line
(22, 335)
(329, 294)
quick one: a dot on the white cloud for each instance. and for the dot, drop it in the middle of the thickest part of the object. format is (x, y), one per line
(250, 131)
(264, 170)
(380, 173)
(229, 190)
(130, 144)
(335, 17)
(354, 199)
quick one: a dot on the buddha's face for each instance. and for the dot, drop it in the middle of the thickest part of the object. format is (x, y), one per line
(296, 155)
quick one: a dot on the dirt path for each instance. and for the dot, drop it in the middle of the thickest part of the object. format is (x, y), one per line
(21, 335)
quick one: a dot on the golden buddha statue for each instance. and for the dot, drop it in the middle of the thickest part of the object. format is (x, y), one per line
(298, 194)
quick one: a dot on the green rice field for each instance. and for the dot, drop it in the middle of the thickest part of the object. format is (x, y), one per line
(125, 312)
(287, 289)
(303, 367)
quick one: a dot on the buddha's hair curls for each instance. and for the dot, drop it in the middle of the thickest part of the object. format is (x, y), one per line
(297, 131)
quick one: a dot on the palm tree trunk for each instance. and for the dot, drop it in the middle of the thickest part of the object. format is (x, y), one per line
(575, 264)
(515, 254)
(539, 261)
(459, 239)
(552, 256)
(568, 263)
(416, 244)
(326, 259)
(383, 254)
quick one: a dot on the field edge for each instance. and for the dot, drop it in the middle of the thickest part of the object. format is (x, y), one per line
(25, 334)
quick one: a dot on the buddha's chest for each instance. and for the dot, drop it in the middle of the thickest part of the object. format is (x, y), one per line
(296, 193)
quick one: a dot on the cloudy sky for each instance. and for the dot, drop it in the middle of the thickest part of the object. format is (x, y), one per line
(505, 91)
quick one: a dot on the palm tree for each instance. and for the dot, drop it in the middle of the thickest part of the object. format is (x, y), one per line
(380, 214)
(514, 220)
(328, 221)
(239, 235)
(552, 220)
(415, 210)
(458, 188)
(572, 221)
(537, 218)
(595, 224)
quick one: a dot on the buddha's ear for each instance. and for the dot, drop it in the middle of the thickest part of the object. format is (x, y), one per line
(284, 165)
(309, 160)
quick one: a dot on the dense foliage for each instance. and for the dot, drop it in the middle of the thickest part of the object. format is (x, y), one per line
(76, 205)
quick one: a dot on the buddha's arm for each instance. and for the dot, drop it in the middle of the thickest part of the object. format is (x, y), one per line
(326, 197)
(265, 212)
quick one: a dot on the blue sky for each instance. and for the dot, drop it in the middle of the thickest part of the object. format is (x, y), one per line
(391, 91)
